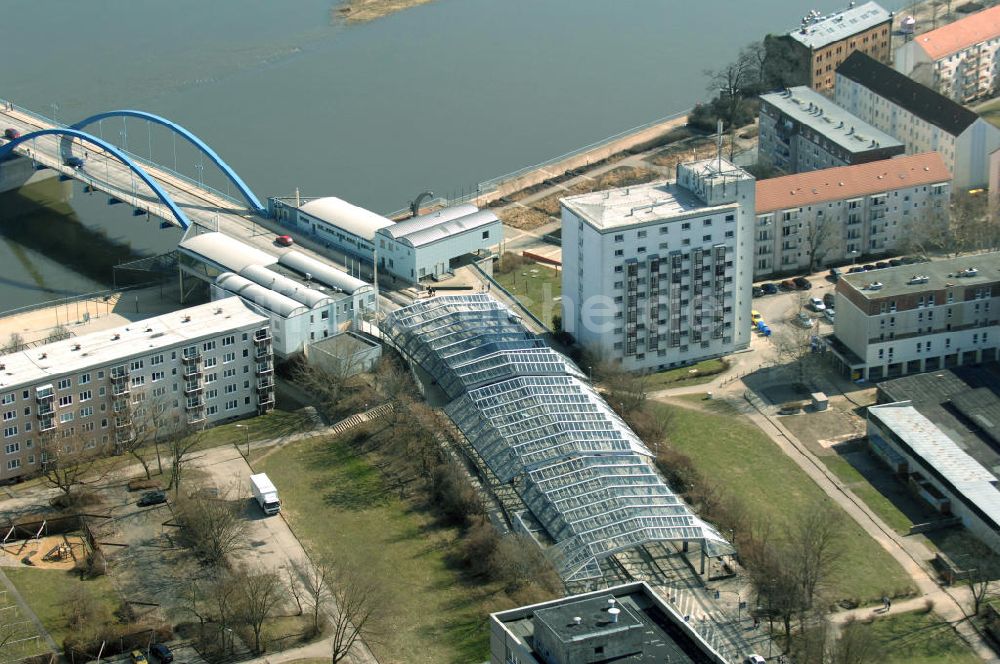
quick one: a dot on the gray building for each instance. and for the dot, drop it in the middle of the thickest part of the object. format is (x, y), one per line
(427, 246)
(626, 623)
(801, 130)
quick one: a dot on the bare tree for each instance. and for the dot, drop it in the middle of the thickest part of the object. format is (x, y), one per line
(325, 385)
(732, 82)
(624, 390)
(971, 226)
(315, 576)
(793, 345)
(151, 422)
(358, 603)
(293, 587)
(821, 237)
(214, 527)
(259, 593)
(179, 447)
(68, 462)
(15, 343)
(857, 644)
(814, 548)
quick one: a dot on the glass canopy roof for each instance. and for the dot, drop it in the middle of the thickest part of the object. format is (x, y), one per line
(539, 426)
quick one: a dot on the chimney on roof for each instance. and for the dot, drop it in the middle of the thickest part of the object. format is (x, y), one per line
(577, 621)
(613, 614)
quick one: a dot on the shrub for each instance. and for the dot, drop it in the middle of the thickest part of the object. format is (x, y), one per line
(454, 495)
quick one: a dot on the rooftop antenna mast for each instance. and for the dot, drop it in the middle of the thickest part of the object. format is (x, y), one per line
(718, 144)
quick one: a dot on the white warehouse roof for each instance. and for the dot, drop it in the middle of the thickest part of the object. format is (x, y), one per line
(353, 219)
(440, 225)
(940, 453)
(262, 297)
(321, 272)
(288, 287)
(226, 251)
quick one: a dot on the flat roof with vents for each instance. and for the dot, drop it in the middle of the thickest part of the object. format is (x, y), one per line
(76, 354)
(811, 109)
(961, 272)
(824, 30)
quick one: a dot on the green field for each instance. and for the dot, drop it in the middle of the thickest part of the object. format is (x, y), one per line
(49, 592)
(275, 424)
(743, 461)
(338, 506)
(536, 287)
(921, 638)
(695, 374)
(878, 503)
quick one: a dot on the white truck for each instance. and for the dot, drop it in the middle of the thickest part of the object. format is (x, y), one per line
(265, 493)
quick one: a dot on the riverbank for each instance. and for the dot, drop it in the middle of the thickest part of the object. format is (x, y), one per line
(362, 11)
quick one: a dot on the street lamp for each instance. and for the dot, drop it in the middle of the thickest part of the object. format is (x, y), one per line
(247, 429)
(739, 603)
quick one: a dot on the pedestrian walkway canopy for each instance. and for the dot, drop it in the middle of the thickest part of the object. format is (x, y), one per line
(539, 426)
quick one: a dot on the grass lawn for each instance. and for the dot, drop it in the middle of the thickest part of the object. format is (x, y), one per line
(338, 506)
(878, 503)
(47, 592)
(537, 287)
(921, 638)
(702, 372)
(744, 461)
(275, 424)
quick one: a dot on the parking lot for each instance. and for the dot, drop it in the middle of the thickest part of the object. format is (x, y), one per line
(780, 309)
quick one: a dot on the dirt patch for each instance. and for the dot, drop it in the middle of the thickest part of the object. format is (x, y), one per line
(622, 176)
(361, 11)
(524, 218)
(50, 552)
(822, 431)
(690, 150)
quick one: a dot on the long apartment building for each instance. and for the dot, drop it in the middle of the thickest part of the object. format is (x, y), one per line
(822, 42)
(809, 220)
(923, 119)
(801, 130)
(658, 275)
(959, 60)
(96, 393)
(919, 317)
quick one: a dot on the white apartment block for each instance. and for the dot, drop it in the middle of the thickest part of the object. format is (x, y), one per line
(809, 220)
(801, 130)
(659, 275)
(959, 60)
(99, 391)
(920, 117)
(920, 317)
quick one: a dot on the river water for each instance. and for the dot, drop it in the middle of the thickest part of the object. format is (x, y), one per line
(438, 97)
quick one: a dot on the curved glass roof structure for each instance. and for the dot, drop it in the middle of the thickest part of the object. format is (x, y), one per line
(540, 427)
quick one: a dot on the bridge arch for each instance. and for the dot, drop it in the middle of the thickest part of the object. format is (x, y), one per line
(164, 197)
(190, 138)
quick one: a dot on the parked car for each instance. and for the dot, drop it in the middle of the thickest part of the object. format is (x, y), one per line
(835, 274)
(787, 285)
(803, 320)
(10, 133)
(829, 299)
(816, 304)
(755, 317)
(284, 240)
(830, 314)
(895, 262)
(769, 289)
(855, 269)
(802, 283)
(754, 659)
(74, 162)
(757, 291)
(868, 267)
(161, 652)
(152, 498)
(881, 265)
(138, 658)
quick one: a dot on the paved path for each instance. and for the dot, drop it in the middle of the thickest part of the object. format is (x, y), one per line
(26, 610)
(949, 603)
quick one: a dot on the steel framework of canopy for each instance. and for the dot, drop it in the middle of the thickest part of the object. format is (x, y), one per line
(535, 421)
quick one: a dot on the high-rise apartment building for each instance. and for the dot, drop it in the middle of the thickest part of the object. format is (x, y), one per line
(658, 275)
